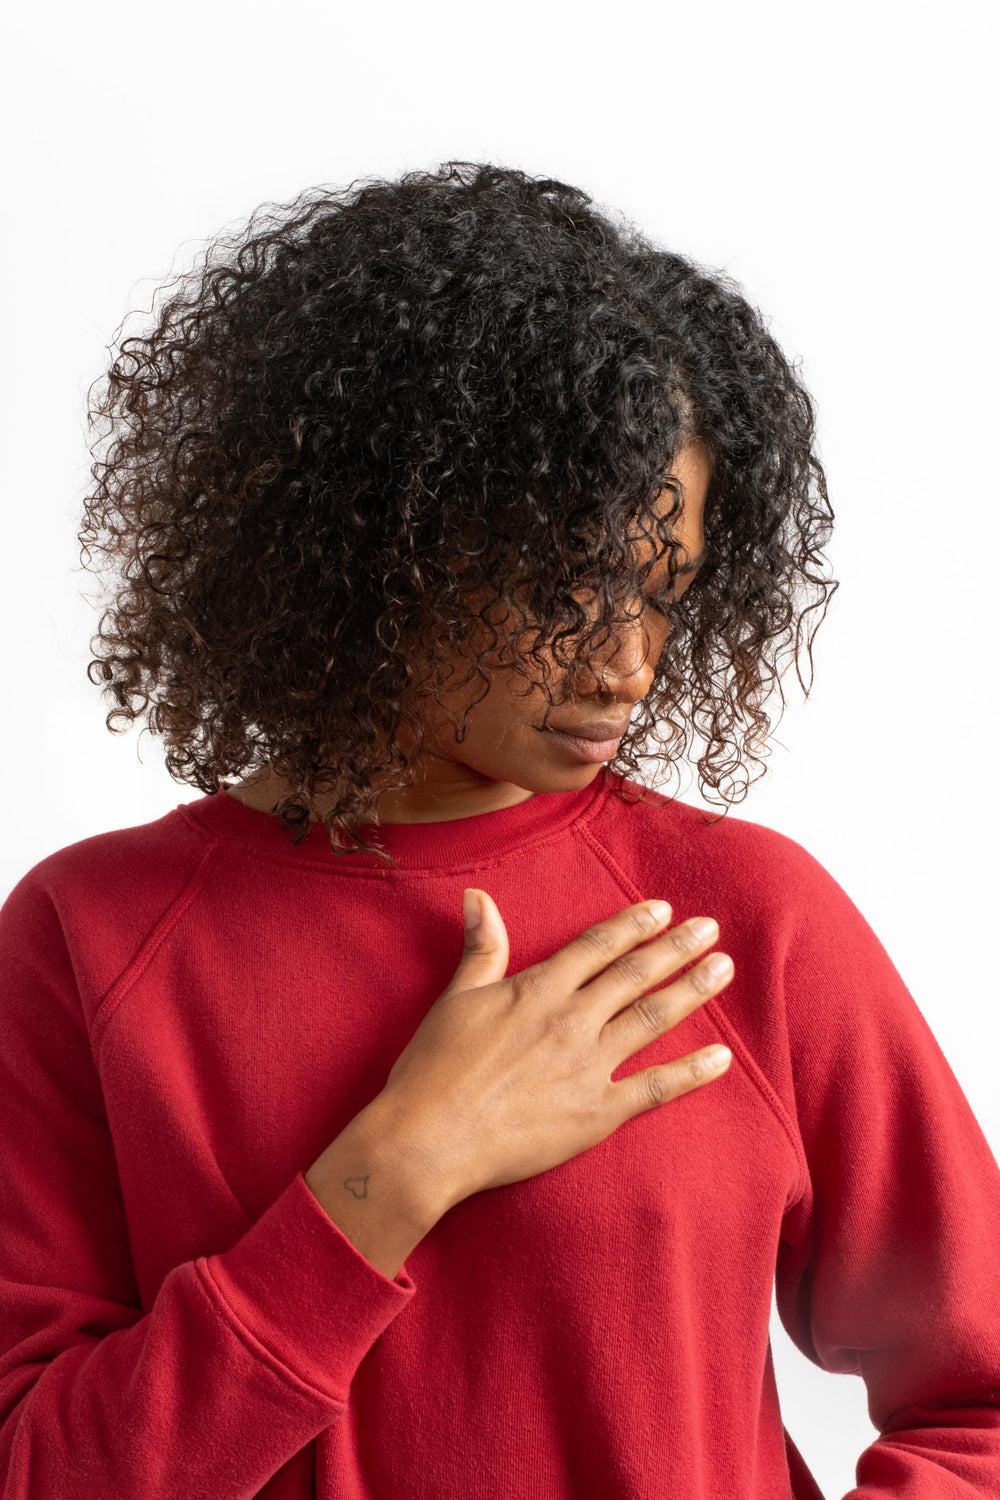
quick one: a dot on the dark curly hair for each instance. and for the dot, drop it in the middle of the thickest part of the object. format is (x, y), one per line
(378, 407)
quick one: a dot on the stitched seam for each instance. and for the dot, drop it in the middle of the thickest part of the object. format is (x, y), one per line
(732, 1037)
(420, 872)
(141, 960)
(231, 1321)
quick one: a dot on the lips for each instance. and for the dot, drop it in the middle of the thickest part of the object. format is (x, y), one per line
(600, 730)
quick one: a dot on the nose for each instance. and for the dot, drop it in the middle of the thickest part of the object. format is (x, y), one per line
(625, 671)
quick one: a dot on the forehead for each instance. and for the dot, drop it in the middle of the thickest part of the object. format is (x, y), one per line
(692, 471)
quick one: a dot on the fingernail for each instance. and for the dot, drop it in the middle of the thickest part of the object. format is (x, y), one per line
(471, 909)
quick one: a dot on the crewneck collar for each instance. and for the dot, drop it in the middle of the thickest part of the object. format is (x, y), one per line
(455, 842)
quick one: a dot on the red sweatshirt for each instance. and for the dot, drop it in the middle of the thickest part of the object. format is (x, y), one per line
(192, 1009)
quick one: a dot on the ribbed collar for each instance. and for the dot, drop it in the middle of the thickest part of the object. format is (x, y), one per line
(415, 846)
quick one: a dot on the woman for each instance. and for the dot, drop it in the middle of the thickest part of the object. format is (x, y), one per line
(433, 504)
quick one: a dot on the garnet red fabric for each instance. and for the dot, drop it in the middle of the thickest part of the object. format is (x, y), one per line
(192, 1009)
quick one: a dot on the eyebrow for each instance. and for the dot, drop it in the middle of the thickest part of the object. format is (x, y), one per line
(690, 567)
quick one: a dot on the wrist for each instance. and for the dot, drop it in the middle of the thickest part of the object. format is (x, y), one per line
(375, 1162)
(389, 1140)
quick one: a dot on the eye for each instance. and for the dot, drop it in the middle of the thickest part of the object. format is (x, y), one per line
(661, 604)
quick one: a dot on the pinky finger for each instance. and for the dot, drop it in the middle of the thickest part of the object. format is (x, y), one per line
(659, 1085)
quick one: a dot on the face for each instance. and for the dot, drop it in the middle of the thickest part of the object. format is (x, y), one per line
(506, 757)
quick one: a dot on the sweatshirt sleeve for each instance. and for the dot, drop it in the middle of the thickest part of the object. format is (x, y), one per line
(888, 1265)
(242, 1358)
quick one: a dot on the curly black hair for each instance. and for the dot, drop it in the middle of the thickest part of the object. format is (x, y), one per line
(376, 408)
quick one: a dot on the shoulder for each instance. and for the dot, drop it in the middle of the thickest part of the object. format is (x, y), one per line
(769, 893)
(97, 899)
(117, 861)
(651, 832)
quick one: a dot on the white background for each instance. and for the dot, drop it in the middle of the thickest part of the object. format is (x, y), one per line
(834, 158)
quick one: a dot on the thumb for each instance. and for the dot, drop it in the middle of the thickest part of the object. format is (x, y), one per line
(487, 950)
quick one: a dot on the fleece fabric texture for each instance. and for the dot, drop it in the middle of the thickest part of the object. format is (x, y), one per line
(191, 1009)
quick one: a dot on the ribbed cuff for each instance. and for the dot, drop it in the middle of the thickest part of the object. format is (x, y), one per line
(305, 1291)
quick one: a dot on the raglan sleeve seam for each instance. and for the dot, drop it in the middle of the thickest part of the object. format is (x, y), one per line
(143, 956)
(730, 1035)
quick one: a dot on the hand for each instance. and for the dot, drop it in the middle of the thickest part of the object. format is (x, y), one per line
(507, 1077)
